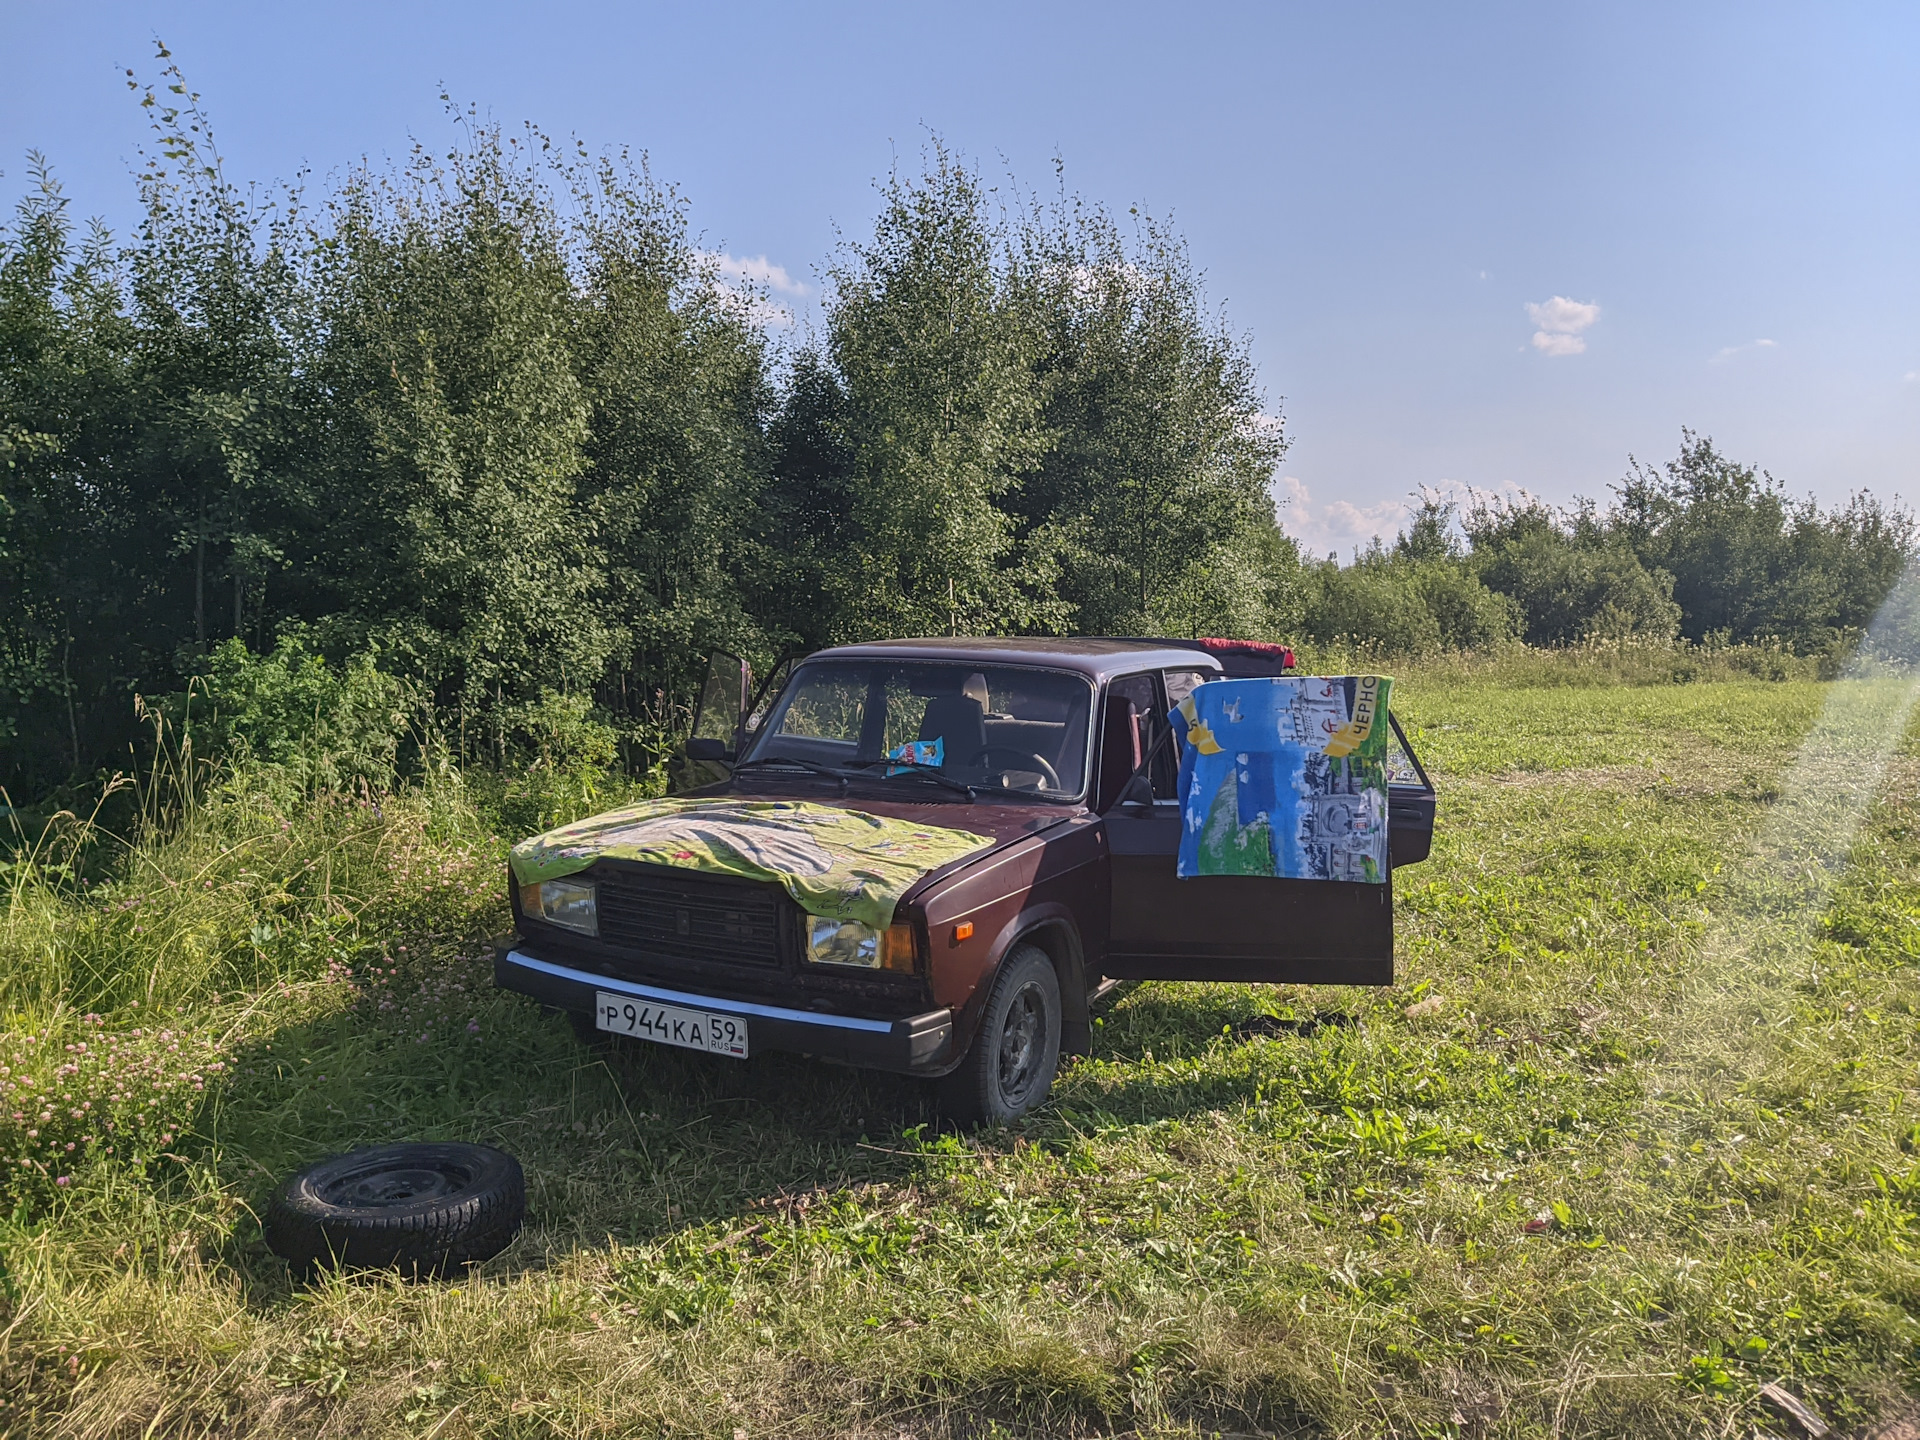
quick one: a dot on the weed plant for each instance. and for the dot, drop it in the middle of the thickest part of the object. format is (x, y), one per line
(1527, 1191)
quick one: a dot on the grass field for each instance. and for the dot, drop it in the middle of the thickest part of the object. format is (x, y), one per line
(1634, 1134)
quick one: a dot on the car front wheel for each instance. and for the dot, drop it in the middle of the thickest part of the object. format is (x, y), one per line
(1010, 1068)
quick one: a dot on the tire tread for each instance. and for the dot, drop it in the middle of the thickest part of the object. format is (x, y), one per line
(429, 1237)
(966, 1095)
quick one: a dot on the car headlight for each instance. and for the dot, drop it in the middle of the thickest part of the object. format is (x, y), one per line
(850, 942)
(570, 904)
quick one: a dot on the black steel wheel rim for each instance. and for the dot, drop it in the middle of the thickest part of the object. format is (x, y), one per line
(1022, 1037)
(381, 1184)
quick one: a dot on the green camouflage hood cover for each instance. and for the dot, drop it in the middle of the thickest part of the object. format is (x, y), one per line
(840, 864)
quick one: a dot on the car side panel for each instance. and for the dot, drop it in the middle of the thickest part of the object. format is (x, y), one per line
(1059, 878)
(1237, 927)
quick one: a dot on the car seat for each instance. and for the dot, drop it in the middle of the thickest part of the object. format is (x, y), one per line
(961, 723)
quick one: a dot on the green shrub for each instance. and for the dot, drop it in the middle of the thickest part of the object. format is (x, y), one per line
(568, 766)
(1751, 562)
(1570, 579)
(319, 726)
(1402, 606)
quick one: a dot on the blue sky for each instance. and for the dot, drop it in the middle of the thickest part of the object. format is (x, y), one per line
(1490, 246)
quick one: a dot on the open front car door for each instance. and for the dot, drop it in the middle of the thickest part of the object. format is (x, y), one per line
(1238, 927)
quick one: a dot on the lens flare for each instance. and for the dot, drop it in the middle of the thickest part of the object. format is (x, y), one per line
(1762, 928)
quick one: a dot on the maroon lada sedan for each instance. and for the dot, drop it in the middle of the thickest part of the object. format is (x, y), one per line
(931, 857)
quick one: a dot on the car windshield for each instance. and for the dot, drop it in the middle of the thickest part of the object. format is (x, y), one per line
(995, 727)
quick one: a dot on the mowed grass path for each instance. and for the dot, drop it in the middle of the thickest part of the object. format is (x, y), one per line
(1533, 1206)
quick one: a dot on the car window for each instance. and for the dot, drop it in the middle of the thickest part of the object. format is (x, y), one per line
(769, 694)
(1182, 683)
(822, 703)
(1011, 728)
(1400, 767)
(1142, 696)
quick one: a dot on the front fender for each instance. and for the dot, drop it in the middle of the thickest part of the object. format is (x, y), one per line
(1054, 928)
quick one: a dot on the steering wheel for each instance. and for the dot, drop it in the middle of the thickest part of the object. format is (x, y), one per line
(1025, 760)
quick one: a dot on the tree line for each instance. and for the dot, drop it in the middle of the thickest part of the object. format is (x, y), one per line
(487, 422)
(1703, 549)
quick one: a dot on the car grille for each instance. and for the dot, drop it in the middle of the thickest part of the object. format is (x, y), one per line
(691, 916)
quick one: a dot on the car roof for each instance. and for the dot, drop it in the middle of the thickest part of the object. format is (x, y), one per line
(1094, 656)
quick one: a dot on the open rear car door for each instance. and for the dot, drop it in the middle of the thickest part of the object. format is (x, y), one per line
(1234, 927)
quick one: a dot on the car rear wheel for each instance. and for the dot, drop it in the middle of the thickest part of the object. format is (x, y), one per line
(1009, 1071)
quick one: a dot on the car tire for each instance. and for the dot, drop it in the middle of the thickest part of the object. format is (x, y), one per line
(424, 1209)
(1009, 1071)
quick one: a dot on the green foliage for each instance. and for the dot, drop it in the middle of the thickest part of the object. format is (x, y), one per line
(1023, 423)
(490, 415)
(562, 756)
(941, 421)
(323, 727)
(1153, 491)
(564, 735)
(1703, 549)
(447, 531)
(1572, 577)
(1747, 561)
(1420, 597)
(809, 502)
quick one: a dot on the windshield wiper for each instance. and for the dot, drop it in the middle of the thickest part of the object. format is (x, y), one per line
(859, 770)
(925, 772)
(832, 772)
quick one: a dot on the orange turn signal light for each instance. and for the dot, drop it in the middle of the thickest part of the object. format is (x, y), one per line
(900, 949)
(963, 931)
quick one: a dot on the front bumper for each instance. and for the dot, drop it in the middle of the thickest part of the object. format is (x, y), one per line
(913, 1046)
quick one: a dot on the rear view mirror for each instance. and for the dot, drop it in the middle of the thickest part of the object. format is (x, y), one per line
(706, 747)
(1138, 793)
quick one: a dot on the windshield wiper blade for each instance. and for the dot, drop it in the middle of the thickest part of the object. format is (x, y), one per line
(832, 772)
(924, 772)
(859, 770)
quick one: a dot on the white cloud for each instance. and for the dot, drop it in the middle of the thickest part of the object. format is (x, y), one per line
(1333, 526)
(756, 270)
(1911, 376)
(1559, 323)
(1558, 344)
(747, 283)
(1341, 526)
(1728, 352)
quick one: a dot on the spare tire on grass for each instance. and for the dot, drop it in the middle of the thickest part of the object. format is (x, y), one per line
(422, 1208)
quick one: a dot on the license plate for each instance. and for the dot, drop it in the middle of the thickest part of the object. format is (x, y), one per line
(671, 1025)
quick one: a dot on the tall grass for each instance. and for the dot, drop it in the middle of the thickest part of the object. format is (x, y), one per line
(1481, 1209)
(1592, 664)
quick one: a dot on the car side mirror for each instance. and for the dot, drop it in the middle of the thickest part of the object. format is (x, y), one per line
(1137, 793)
(704, 747)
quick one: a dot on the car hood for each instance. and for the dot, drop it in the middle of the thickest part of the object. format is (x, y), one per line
(839, 861)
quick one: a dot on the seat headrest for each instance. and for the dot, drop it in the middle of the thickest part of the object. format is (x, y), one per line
(961, 722)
